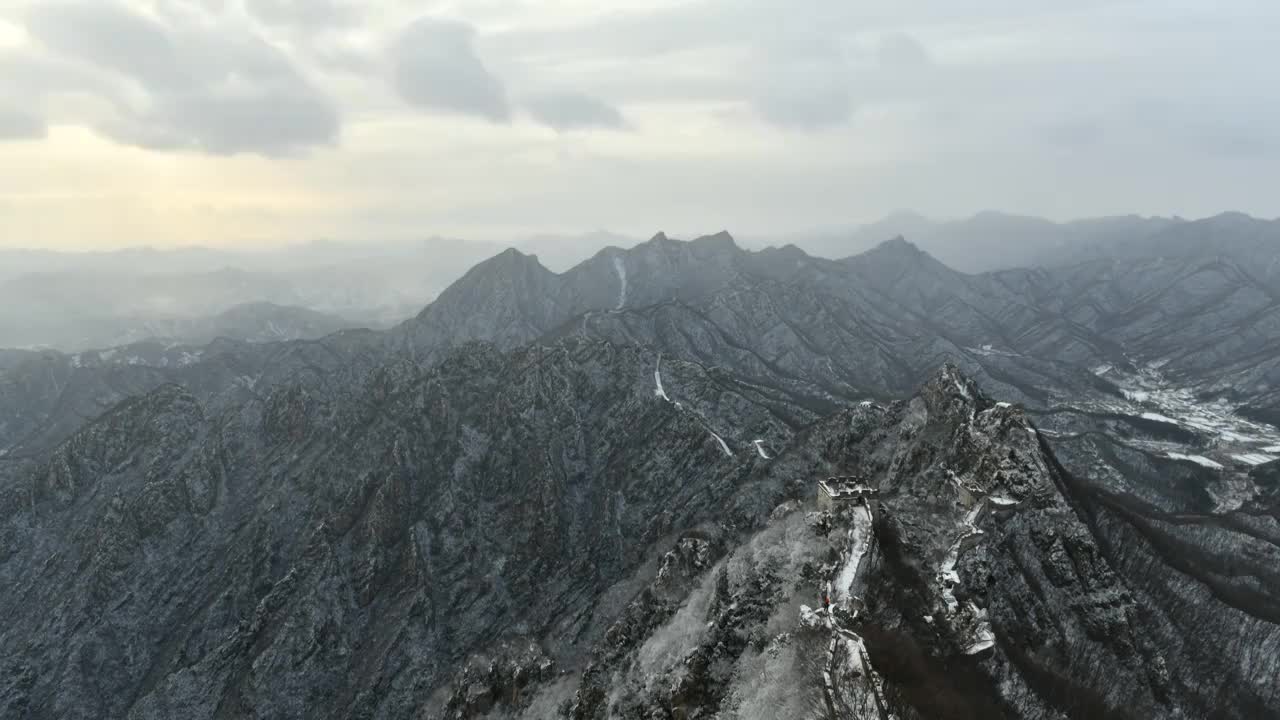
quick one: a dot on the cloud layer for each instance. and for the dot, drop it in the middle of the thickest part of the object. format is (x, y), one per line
(296, 118)
(436, 68)
(185, 86)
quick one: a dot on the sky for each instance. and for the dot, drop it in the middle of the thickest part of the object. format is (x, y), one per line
(249, 122)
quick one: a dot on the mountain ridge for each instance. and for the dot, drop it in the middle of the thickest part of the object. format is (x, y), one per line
(523, 501)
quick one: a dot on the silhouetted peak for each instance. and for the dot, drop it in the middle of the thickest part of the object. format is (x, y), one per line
(790, 251)
(1234, 217)
(895, 258)
(720, 243)
(506, 269)
(507, 261)
(899, 246)
(721, 240)
(514, 255)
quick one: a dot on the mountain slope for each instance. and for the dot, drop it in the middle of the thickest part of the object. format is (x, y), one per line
(584, 514)
(978, 582)
(895, 301)
(344, 547)
(870, 326)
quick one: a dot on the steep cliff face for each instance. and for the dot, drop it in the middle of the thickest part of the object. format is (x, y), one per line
(990, 596)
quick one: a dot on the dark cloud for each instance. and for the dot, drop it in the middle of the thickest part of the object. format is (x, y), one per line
(18, 124)
(573, 111)
(189, 86)
(436, 67)
(264, 118)
(112, 37)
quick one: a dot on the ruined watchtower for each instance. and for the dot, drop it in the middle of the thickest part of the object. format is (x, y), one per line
(843, 490)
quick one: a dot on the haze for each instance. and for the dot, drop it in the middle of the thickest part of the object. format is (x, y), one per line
(242, 122)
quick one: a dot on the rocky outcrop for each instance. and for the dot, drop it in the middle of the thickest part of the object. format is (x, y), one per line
(500, 678)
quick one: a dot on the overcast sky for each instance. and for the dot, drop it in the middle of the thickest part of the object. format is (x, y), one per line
(173, 122)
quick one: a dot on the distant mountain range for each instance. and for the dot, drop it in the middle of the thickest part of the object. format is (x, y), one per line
(998, 241)
(870, 326)
(78, 301)
(591, 494)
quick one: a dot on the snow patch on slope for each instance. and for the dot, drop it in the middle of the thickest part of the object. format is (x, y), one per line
(989, 350)
(1150, 395)
(1197, 459)
(760, 449)
(723, 445)
(1254, 458)
(621, 269)
(657, 380)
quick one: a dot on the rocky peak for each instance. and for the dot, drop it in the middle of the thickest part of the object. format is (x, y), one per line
(898, 245)
(721, 241)
(895, 259)
(951, 383)
(509, 268)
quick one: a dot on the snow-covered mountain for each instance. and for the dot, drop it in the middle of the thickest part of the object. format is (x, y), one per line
(595, 494)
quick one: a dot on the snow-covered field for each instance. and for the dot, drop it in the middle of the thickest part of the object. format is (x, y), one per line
(1225, 438)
